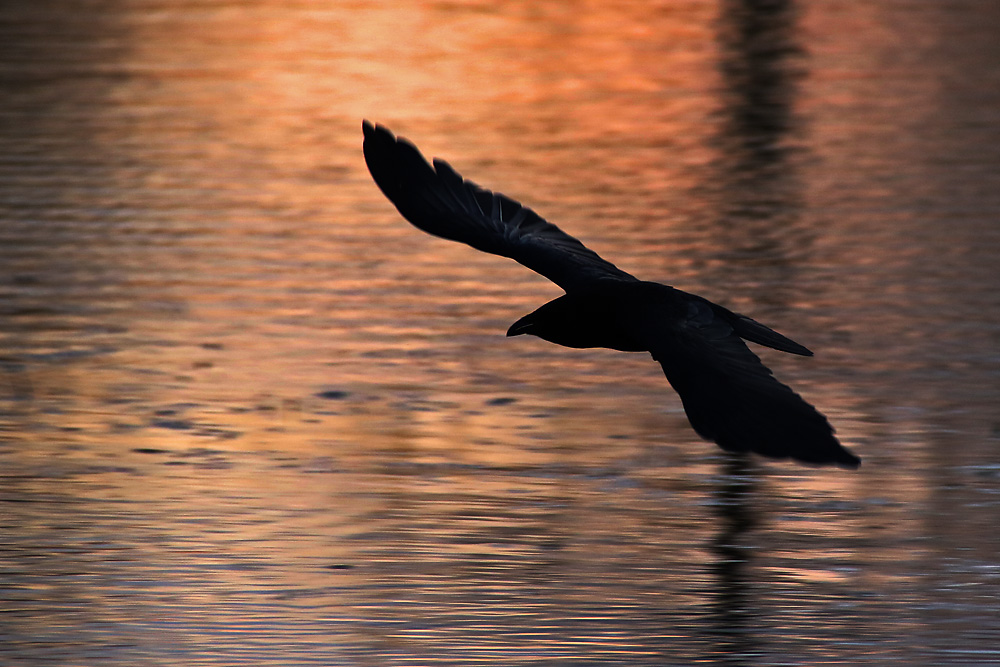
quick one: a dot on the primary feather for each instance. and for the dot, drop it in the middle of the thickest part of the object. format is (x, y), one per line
(439, 201)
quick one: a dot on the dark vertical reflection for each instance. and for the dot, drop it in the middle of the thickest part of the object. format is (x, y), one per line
(757, 208)
(736, 519)
(756, 189)
(57, 73)
(757, 46)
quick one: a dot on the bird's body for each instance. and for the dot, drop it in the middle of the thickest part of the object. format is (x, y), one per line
(729, 396)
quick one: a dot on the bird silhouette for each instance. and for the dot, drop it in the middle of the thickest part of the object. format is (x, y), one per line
(729, 396)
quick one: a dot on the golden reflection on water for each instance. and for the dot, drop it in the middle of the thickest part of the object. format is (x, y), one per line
(249, 415)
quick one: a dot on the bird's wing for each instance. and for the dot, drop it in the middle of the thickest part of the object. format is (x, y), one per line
(439, 201)
(731, 398)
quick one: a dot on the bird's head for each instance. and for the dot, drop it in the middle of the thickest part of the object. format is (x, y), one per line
(529, 324)
(552, 321)
(583, 319)
(572, 320)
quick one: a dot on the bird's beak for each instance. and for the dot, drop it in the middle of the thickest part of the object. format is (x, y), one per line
(522, 326)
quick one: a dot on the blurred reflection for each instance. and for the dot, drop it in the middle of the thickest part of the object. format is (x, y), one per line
(757, 204)
(57, 74)
(734, 608)
(756, 188)
(757, 45)
(65, 207)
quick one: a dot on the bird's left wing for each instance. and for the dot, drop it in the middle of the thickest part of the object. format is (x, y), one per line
(439, 201)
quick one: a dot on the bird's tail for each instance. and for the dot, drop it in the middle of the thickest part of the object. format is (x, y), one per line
(755, 332)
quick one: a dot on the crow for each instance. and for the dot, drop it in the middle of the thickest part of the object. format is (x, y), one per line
(729, 396)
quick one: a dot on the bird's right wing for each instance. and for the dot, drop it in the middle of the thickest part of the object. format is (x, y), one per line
(439, 201)
(732, 399)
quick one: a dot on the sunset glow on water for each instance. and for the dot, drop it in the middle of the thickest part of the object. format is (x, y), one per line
(249, 415)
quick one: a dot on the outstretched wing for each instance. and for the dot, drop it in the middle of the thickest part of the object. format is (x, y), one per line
(439, 201)
(732, 399)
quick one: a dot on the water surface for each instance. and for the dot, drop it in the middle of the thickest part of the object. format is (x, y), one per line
(248, 415)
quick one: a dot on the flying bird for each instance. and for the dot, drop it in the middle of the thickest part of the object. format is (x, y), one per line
(729, 396)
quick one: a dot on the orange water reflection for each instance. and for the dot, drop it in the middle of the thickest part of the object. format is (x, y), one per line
(250, 416)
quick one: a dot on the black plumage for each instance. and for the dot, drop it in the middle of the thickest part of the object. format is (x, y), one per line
(729, 396)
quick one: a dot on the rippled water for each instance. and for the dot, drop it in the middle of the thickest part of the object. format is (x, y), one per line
(248, 415)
